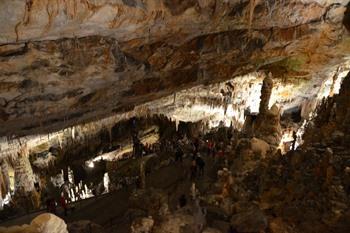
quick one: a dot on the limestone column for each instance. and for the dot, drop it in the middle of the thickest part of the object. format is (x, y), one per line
(5, 183)
(24, 177)
(25, 193)
(266, 91)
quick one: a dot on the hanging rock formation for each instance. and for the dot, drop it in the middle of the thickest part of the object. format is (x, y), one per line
(92, 59)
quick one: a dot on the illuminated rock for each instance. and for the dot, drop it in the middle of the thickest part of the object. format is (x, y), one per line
(259, 146)
(49, 223)
(93, 60)
(24, 177)
(44, 223)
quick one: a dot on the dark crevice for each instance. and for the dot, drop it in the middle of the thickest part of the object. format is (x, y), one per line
(346, 20)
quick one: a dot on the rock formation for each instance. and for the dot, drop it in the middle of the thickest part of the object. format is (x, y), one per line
(174, 113)
(24, 177)
(92, 60)
(266, 91)
(44, 223)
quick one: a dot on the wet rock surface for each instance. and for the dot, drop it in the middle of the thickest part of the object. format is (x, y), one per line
(92, 60)
(247, 185)
(238, 85)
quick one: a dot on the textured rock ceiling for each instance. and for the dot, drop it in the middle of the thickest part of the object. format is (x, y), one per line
(64, 62)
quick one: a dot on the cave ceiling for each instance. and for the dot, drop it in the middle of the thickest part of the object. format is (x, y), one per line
(66, 62)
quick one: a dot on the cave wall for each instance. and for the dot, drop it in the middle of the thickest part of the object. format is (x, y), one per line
(64, 63)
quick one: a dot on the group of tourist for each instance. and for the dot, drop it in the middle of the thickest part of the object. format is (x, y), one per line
(51, 204)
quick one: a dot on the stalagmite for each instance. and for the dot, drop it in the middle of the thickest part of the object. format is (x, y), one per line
(5, 178)
(24, 177)
(106, 182)
(73, 133)
(70, 176)
(266, 91)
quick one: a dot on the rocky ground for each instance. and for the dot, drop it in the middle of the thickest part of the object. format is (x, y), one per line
(248, 186)
(306, 190)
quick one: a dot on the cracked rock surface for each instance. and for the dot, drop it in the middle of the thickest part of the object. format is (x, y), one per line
(67, 62)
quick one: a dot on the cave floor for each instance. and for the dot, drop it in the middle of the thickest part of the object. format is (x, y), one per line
(109, 210)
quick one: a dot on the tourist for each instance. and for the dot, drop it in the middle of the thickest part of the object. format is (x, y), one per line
(178, 154)
(200, 163)
(182, 201)
(196, 145)
(51, 205)
(220, 155)
(63, 204)
(193, 168)
(294, 140)
(232, 230)
(210, 147)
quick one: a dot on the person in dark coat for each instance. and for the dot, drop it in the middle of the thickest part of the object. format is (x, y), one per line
(193, 169)
(200, 163)
(294, 140)
(178, 154)
(63, 204)
(232, 230)
(182, 201)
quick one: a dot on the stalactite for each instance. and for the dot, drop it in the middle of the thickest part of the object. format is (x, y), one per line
(252, 5)
(116, 20)
(70, 176)
(52, 11)
(70, 8)
(16, 30)
(27, 12)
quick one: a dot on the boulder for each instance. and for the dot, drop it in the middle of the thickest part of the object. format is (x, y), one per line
(44, 223)
(216, 213)
(259, 146)
(135, 213)
(337, 136)
(176, 223)
(153, 201)
(84, 226)
(49, 223)
(142, 225)
(277, 225)
(252, 220)
(211, 230)
(220, 225)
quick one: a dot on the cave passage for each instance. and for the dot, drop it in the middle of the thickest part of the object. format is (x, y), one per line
(174, 116)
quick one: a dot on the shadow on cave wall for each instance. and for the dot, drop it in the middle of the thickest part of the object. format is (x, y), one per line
(346, 20)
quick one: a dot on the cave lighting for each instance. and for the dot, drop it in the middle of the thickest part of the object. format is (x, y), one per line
(287, 137)
(5, 201)
(91, 164)
(106, 182)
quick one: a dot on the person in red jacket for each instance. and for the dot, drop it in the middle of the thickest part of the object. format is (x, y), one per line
(63, 204)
